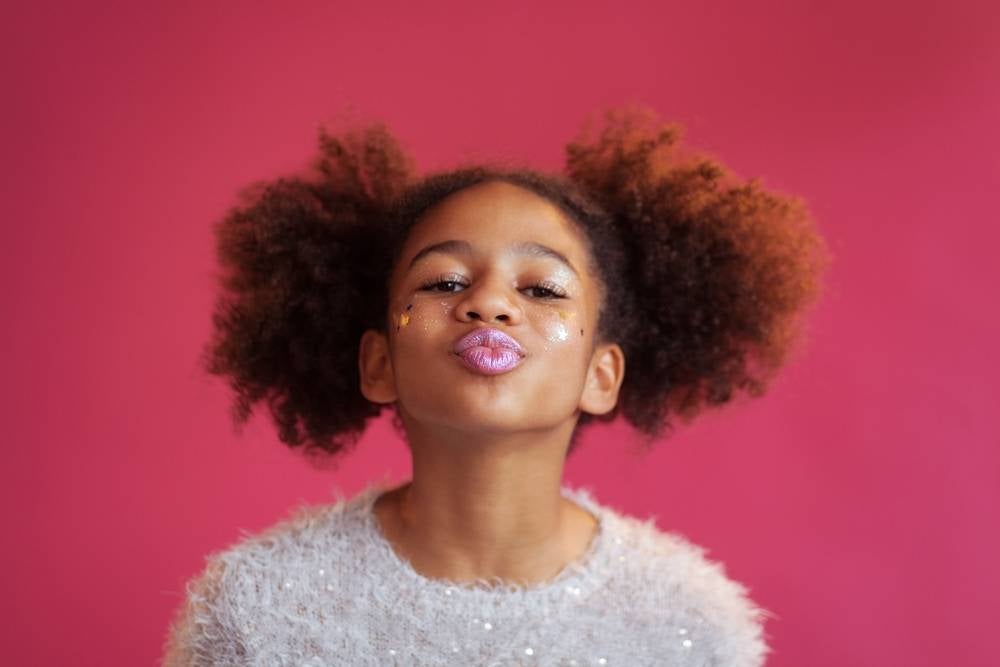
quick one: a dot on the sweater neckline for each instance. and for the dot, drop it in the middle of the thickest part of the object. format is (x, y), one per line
(575, 580)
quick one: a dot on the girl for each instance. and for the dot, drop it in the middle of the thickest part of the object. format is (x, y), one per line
(494, 310)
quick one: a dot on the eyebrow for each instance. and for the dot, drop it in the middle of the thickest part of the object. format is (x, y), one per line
(458, 247)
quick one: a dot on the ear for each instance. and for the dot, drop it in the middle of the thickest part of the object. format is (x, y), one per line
(378, 383)
(604, 379)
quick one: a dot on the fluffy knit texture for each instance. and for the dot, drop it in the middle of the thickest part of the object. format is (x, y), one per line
(325, 587)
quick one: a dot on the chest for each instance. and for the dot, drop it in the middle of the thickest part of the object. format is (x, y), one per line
(340, 630)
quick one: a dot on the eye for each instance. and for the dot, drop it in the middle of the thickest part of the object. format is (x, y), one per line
(437, 282)
(551, 291)
(547, 290)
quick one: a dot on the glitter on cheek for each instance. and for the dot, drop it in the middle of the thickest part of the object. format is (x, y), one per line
(556, 331)
(404, 318)
(422, 316)
(447, 306)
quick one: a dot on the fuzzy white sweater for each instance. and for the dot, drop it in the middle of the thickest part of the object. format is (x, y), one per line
(325, 587)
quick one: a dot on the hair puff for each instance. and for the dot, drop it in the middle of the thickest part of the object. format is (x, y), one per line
(720, 271)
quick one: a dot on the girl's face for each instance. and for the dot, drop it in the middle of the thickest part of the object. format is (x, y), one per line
(492, 255)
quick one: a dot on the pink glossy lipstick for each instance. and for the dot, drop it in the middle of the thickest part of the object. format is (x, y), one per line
(488, 351)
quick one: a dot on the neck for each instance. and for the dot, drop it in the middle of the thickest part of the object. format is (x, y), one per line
(494, 510)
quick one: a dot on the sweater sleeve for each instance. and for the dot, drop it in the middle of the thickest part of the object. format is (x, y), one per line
(204, 630)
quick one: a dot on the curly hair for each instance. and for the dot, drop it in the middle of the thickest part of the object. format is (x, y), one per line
(704, 278)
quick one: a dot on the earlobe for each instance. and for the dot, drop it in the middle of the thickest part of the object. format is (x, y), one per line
(375, 368)
(604, 379)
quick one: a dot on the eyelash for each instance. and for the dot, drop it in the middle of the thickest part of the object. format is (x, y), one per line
(555, 291)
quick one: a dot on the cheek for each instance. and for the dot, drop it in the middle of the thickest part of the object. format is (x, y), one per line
(562, 327)
(403, 316)
(563, 350)
(411, 316)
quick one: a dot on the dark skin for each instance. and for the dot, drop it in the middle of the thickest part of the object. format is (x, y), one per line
(489, 451)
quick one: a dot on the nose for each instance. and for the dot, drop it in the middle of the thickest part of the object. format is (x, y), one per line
(488, 301)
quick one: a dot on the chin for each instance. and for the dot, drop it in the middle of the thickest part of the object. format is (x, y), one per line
(466, 401)
(471, 416)
(485, 418)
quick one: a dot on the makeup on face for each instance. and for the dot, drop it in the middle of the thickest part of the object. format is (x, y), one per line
(404, 318)
(489, 351)
(557, 329)
(555, 281)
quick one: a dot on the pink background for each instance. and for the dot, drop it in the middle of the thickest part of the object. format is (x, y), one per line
(858, 499)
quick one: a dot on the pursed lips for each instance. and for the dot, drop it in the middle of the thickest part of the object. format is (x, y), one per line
(488, 351)
(490, 337)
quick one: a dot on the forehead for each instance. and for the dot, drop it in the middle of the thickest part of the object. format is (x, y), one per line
(495, 216)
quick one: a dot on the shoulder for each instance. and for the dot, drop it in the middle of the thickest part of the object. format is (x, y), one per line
(693, 607)
(245, 590)
(313, 543)
(207, 628)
